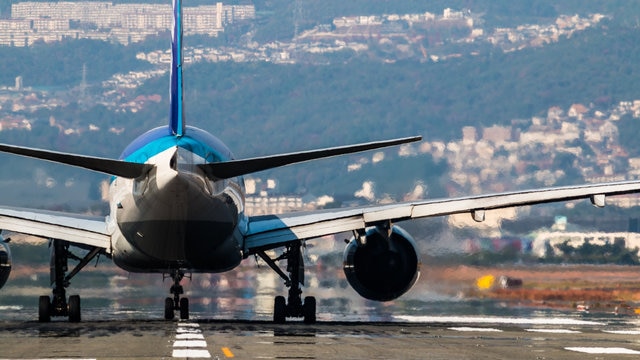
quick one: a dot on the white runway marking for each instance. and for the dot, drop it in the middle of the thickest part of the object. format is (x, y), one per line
(190, 342)
(466, 328)
(191, 353)
(495, 320)
(604, 350)
(622, 332)
(554, 331)
(189, 336)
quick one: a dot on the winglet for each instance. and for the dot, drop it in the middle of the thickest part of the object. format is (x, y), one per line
(176, 121)
(233, 168)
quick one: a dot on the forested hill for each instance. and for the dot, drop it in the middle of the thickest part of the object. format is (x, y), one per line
(359, 100)
(298, 106)
(259, 107)
(58, 65)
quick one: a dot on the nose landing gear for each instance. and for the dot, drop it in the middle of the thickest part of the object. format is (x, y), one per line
(176, 303)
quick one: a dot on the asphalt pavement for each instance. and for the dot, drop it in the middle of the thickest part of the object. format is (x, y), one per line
(409, 337)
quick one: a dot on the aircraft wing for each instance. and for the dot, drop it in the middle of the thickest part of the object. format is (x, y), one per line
(79, 229)
(270, 231)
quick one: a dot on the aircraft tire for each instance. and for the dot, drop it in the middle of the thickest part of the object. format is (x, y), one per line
(168, 309)
(279, 310)
(74, 308)
(184, 308)
(44, 309)
(309, 310)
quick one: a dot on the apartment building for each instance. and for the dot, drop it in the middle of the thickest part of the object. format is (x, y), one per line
(125, 23)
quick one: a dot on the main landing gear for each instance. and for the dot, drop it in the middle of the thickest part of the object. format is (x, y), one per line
(57, 305)
(293, 306)
(176, 303)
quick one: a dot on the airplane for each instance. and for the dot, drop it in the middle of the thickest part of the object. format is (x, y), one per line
(176, 207)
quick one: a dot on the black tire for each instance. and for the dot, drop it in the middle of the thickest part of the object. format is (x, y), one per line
(44, 309)
(309, 310)
(184, 308)
(74, 308)
(168, 309)
(280, 310)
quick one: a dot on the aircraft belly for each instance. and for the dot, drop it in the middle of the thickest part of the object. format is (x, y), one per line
(187, 229)
(196, 248)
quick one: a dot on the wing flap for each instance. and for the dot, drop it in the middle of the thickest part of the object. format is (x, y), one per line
(271, 231)
(284, 229)
(78, 229)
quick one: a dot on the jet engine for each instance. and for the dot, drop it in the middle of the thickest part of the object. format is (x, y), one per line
(5, 261)
(383, 264)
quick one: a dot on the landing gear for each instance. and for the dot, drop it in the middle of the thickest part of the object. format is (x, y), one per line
(293, 305)
(57, 305)
(176, 303)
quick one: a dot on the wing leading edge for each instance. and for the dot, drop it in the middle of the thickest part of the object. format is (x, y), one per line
(267, 232)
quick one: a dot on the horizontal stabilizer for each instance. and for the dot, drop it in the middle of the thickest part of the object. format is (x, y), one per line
(233, 168)
(112, 167)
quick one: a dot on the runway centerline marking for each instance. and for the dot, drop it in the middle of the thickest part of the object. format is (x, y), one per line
(190, 336)
(190, 342)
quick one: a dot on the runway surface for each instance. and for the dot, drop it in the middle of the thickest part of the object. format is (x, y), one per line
(567, 336)
(122, 319)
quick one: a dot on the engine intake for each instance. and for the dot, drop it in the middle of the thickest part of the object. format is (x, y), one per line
(382, 269)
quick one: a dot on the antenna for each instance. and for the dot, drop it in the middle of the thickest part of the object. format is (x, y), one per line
(297, 17)
(83, 82)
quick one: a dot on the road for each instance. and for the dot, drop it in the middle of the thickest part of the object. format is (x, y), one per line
(410, 337)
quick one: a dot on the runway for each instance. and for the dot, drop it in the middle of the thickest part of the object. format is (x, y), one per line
(122, 319)
(408, 337)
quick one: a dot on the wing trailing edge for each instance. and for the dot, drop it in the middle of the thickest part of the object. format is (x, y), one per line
(112, 167)
(233, 168)
(271, 231)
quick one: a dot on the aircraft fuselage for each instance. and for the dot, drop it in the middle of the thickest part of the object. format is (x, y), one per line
(175, 217)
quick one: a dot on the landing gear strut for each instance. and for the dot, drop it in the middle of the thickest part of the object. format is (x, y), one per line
(57, 305)
(176, 303)
(293, 305)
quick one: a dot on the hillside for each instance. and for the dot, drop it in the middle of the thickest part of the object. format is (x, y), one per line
(363, 100)
(260, 107)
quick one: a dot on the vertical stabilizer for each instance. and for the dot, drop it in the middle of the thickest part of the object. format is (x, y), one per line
(176, 122)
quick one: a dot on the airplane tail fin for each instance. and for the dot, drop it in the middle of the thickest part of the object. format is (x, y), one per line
(233, 168)
(176, 116)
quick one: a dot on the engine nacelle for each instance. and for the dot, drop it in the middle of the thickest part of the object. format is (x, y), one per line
(5, 262)
(382, 269)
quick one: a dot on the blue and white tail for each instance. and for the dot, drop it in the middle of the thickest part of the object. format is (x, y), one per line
(176, 120)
